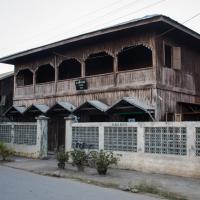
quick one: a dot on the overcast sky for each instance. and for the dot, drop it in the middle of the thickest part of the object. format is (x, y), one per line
(31, 23)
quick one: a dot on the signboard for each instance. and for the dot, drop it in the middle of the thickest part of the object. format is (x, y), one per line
(81, 84)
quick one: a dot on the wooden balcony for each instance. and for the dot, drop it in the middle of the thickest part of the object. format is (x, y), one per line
(24, 91)
(96, 82)
(45, 89)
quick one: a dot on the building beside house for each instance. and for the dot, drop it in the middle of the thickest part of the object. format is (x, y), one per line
(143, 70)
(6, 93)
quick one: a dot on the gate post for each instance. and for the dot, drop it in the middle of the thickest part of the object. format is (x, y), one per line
(42, 135)
(68, 131)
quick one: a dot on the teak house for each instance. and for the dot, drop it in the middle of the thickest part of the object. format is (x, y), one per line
(141, 70)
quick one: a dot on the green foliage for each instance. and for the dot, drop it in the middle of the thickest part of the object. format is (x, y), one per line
(62, 157)
(103, 160)
(79, 158)
(5, 152)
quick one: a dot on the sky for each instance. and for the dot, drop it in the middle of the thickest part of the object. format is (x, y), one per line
(25, 24)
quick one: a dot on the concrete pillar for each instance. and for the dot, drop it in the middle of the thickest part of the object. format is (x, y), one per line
(101, 137)
(115, 69)
(68, 131)
(140, 138)
(191, 135)
(83, 69)
(42, 135)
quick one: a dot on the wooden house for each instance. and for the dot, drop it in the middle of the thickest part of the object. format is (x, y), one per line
(141, 70)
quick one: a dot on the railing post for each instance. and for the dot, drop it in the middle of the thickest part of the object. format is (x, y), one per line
(42, 135)
(68, 131)
(12, 134)
(191, 133)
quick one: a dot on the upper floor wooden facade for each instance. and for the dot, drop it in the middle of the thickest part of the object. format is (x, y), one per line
(139, 59)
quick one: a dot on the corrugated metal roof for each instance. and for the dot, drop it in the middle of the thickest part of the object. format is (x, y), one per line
(135, 102)
(96, 104)
(66, 105)
(6, 75)
(20, 109)
(41, 107)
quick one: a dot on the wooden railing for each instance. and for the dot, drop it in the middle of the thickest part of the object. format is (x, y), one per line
(96, 82)
(45, 89)
(135, 77)
(24, 91)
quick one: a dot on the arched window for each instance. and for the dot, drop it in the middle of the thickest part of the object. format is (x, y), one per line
(99, 63)
(69, 69)
(134, 57)
(24, 77)
(45, 73)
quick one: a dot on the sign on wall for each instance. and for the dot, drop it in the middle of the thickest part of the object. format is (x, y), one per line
(81, 84)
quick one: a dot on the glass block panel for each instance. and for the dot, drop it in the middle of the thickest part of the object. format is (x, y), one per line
(5, 133)
(89, 136)
(166, 140)
(197, 142)
(25, 134)
(120, 139)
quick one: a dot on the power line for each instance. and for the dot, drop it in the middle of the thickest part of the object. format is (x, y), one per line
(80, 18)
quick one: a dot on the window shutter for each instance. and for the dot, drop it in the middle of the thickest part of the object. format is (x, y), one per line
(176, 58)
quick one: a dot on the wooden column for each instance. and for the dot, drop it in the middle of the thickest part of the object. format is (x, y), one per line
(115, 69)
(34, 82)
(15, 85)
(83, 69)
(56, 74)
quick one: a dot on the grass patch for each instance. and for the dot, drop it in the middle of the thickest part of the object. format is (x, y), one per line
(145, 188)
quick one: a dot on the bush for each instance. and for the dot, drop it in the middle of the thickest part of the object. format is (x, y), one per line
(5, 152)
(79, 158)
(103, 160)
(62, 157)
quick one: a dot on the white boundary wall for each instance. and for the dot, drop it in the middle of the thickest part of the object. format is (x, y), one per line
(27, 138)
(183, 164)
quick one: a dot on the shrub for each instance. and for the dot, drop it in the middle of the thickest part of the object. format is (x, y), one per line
(79, 158)
(62, 157)
(5, 152)
(103, 160)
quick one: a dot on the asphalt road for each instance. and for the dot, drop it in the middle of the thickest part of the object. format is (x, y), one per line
(18, 185)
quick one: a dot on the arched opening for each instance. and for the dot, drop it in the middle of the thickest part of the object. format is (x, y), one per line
(99, 63)
(24, 77)
(134, 57)
(45, 73)
(69, 69)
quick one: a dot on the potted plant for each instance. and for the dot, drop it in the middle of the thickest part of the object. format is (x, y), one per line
(5, 152)
(79, 158)
(103, 160)
(62, 157)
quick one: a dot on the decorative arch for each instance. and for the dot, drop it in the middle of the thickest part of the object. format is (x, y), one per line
(134, 57)
(98, 63)
(24, 77)
(70, 68)
(45, 73)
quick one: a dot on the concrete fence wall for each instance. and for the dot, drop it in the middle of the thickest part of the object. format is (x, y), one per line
(26, 139)
(154, 147)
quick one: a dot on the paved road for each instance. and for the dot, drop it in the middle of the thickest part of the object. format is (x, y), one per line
(17, 184)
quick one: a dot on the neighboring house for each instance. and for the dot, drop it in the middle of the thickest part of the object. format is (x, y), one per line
(6, 93)
(141, 70)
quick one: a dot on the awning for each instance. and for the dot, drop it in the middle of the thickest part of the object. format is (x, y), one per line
(62, 106)
(133, 102)
(34, 108)
(92, 104)
(15, 110)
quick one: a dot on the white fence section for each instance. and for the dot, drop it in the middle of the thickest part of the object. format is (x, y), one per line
(156, 147)
(26, 139)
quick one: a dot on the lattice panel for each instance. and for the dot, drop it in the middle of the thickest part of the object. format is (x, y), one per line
(197, 142)
(120, 139)
(87, 135)
(25, 134)
(166, 140)
(5, 133)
